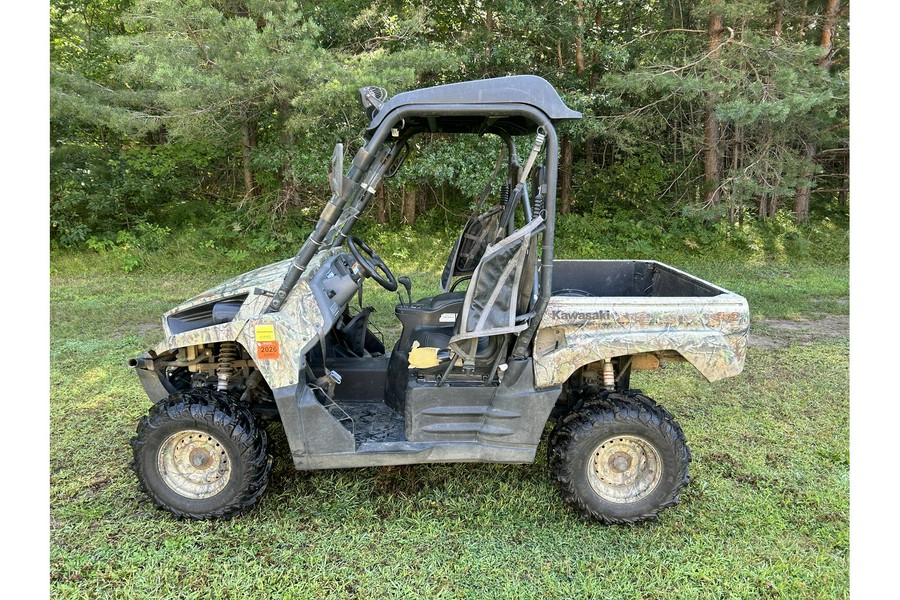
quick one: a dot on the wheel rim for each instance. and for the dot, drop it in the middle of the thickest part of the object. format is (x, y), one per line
(194, 464)
(624, 469)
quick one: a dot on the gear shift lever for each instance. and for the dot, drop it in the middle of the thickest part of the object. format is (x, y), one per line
(405, 282)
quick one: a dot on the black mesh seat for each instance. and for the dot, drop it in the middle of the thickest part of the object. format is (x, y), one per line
(442, 300)
(480, 230)
(432, 322)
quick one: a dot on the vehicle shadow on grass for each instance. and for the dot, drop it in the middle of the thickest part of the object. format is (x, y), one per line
(424, 491)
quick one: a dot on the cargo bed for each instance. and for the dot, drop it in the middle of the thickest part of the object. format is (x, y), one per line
(628, 278)
(603, 309)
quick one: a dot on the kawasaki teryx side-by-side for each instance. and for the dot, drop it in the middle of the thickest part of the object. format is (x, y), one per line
(516, 339)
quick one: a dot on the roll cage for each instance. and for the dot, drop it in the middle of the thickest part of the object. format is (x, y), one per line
(506, 107)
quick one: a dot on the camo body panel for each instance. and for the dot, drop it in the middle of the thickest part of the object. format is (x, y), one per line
(297, 324)
(710, 333)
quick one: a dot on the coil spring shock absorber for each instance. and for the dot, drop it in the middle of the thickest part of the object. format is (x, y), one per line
(504, 194)
(609, 375)
(225, 366)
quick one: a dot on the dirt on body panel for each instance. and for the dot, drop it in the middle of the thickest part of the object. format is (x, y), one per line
(296, 325)
(710, 333)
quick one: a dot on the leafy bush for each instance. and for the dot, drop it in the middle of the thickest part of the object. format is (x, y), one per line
(627, 235)
(98, 190)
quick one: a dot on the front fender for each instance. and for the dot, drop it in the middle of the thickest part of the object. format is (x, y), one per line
(296, 328)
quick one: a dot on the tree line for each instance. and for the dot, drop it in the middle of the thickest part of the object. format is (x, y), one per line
(166, 110)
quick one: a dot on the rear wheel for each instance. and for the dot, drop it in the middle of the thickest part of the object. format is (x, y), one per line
(199, 456)
(621, 458)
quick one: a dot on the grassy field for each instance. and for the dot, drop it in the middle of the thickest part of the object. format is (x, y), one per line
(766, 513)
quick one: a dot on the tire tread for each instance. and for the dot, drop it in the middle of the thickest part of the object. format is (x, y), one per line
(600, 411)
(217, 411)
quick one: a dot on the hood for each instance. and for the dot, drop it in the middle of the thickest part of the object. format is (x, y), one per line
(267, 278)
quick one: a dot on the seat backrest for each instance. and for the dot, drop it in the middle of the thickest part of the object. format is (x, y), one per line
(479, 231)
(500, 290)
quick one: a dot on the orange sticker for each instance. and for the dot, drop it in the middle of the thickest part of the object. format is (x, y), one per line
(267, 349)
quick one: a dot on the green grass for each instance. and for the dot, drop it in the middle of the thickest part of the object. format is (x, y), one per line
(766, 513)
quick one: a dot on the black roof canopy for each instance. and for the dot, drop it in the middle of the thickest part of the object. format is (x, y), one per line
(501, 92)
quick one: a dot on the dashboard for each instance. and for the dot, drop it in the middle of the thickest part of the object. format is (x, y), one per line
(334, 284)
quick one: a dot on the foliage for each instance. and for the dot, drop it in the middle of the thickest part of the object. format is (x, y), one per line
(769, 94)
(99, 189)
(226, 111)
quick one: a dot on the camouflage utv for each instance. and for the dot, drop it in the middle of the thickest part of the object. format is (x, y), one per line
(515, 340)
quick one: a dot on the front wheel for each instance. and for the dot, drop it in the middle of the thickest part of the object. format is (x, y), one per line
(622, 458)
(199, 456)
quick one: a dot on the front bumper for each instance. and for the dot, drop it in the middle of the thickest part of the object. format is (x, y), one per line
(153, 379)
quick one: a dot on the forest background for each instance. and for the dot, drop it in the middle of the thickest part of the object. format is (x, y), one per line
(708, 125)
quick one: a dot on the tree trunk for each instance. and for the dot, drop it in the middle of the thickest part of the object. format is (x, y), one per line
(248, 143)
(826, 40)
(566, 176)
(712, 162)
(826, 43)
(380, 209)
(589, 144)
(579, 52)
(409, 206)
(801, 198)
(734, 210)
(489, 26)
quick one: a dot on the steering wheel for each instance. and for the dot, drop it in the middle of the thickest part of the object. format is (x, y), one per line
(370, 264)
